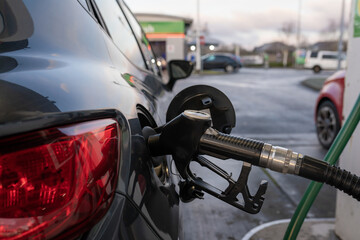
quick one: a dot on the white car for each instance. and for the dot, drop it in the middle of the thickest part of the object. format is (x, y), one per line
(323, 60)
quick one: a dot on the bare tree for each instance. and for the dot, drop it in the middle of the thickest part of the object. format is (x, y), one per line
(330, 31)
(287, 29)
(304, 43)
(205, 29)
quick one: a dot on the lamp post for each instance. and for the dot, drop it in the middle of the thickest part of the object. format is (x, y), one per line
(198, 47)
(298, 34)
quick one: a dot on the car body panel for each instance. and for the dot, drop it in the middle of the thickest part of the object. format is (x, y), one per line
(68, 63)
(333, 90)
(130, 225)
(126, 222)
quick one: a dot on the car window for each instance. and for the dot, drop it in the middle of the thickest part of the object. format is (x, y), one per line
(120, 30)
(210, 58)
(314, 54)
(142, 40)
(329, 56)
(222, 58)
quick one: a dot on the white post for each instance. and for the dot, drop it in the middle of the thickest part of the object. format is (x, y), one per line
(237, 50)
(347, 208)
(340, 45)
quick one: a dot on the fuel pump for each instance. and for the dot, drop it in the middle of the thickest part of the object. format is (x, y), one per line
(191, 135)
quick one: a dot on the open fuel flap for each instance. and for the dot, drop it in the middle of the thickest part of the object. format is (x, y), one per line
(208, 99)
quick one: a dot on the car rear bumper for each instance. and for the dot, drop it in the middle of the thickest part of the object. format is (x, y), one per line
(122, 221)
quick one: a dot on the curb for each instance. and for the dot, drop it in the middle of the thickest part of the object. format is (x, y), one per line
(314, 83)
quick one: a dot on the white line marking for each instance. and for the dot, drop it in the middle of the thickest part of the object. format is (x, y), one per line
(253, 231)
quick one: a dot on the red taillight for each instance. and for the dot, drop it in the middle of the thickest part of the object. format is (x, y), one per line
(58, 180)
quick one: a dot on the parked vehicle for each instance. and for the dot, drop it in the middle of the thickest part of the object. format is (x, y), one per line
(228, 62)
(328, 110)
(323, 60)
(78, 83)
(251, 60)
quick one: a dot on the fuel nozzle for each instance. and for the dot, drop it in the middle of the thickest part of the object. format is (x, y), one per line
(189, 135)
(180, 137)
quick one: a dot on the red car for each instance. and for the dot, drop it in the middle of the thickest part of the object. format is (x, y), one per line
(329, 106)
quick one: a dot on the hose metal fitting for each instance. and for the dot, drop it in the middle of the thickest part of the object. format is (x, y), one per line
(280, 159)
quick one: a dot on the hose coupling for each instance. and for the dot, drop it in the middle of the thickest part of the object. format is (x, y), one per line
(280, 159)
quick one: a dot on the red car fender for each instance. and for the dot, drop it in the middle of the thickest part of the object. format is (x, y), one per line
(333, 89)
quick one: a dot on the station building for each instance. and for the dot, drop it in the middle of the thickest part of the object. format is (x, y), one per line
(166, 33)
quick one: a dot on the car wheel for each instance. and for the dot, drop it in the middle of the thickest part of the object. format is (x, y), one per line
(229, 68)
(327, 123)
(316, 69)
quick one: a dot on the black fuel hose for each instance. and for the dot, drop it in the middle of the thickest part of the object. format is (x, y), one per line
(224, 145)
(321, 171)
(278, 159)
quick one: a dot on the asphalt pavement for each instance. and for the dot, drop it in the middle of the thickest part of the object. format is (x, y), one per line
(273, 106)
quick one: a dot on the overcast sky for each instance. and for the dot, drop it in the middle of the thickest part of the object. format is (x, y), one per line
(251, 22)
